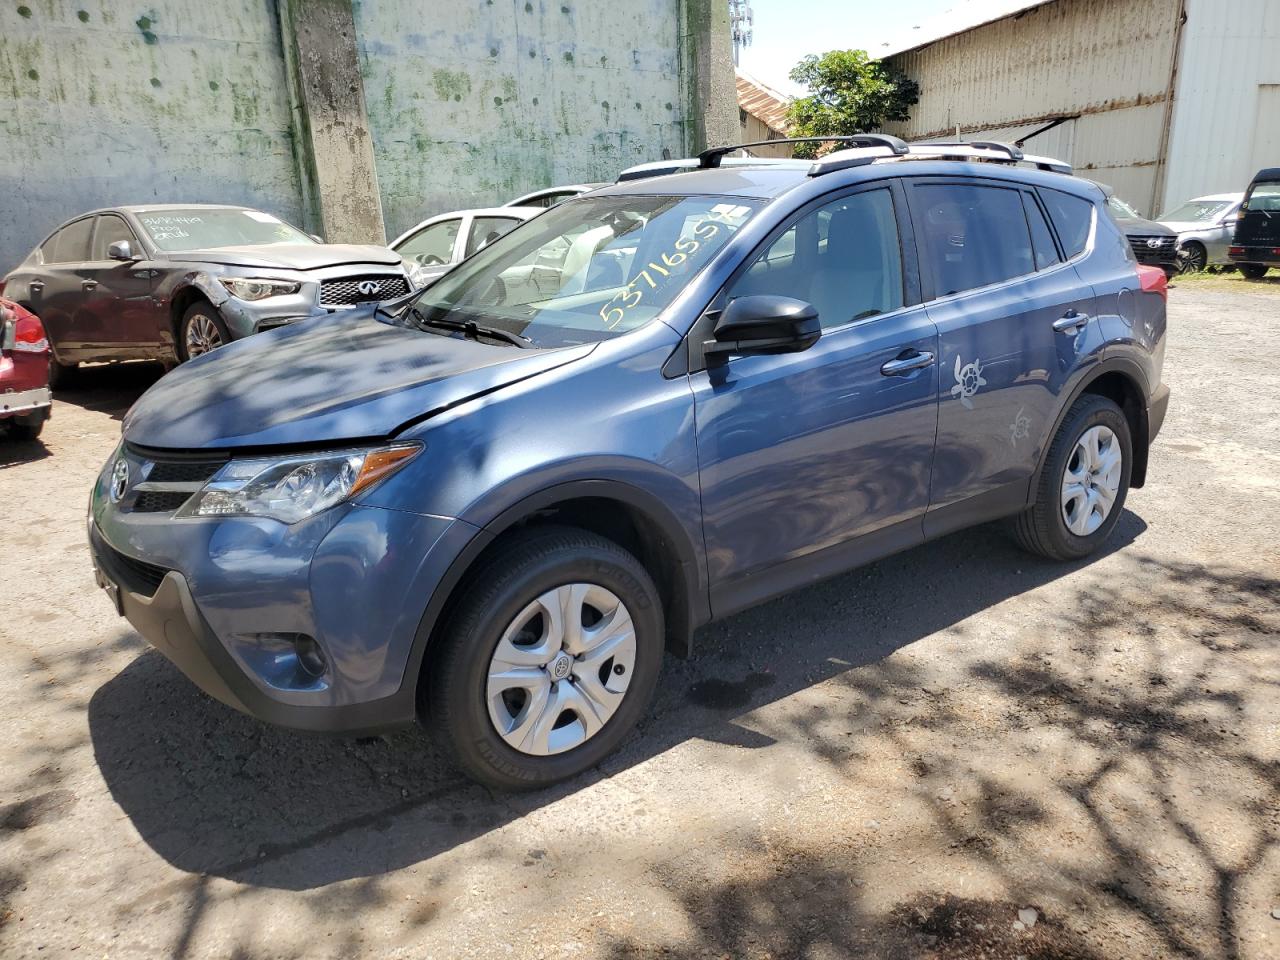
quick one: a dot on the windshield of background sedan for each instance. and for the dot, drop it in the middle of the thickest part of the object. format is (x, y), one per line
(586, 270)
(1195, 210)
(200, 229)
(1122, 209)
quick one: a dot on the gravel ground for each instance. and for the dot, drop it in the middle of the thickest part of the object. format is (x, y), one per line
(959, 752)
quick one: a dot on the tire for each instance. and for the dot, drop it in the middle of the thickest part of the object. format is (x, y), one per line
(27, 431)
(201, 331)
(1193, 257)
(464, 702)
(1044, 528)
(1253, 271)
(61, 375)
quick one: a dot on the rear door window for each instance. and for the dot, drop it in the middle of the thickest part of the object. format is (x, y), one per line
(1072, 217)
(1265, 197)
(70, 244)
(432, 245)
(972, 235)
(1041, 237)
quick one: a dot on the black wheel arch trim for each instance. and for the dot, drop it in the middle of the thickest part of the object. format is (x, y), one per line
(697, 606)
(1141, 440)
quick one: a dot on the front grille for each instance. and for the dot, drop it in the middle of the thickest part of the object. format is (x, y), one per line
(1166, 248)
(345, 292)
(160, 501)
(183, 471)
(136, 576)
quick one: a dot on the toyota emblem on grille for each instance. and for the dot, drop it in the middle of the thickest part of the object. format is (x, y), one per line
(119, 479)
(1152, 243)
(369, 287)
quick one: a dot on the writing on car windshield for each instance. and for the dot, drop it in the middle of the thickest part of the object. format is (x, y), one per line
(176, 230)
(588, 269)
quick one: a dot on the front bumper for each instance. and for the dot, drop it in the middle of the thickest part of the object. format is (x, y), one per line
(225, 600)
(15, 402)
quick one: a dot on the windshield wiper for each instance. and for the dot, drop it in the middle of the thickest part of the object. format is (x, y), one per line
(472, 329)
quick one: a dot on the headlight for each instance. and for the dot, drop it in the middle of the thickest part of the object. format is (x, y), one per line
(290, 489)
(258, 289)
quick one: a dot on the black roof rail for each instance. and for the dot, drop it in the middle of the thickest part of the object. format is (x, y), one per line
(711, 158)
(1012, 151)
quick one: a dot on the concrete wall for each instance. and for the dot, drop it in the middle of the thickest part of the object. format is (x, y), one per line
(1106, 61)
(474, 104)
(466, 104)
(103, 102)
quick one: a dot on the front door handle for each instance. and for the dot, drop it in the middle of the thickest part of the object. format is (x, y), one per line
(88, 284)
(907, 361)
(1070, 322)
(36, 285)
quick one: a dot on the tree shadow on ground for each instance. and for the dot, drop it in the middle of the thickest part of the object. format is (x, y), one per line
(217, 793)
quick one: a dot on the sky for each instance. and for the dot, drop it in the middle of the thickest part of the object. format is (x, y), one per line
(786, 30)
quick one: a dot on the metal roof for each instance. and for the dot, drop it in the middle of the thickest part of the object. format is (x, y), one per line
(763, 102)
(964, 16)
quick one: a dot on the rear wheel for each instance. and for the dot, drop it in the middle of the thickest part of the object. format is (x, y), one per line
(1192, 258)
(1083, 484)
(201, 331)
(1253, 271)
(27, 429)
(549, 660)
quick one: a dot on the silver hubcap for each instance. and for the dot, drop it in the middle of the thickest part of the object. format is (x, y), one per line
(1091, 481)
(202, 335)
(561, 669)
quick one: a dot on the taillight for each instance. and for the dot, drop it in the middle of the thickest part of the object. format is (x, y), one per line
(1235, 251)
(30, 336)
(1153, 280)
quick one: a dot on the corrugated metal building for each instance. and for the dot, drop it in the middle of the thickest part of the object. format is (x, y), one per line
(1162, 99)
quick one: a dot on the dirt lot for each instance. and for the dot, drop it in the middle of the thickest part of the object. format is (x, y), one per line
(890, 764)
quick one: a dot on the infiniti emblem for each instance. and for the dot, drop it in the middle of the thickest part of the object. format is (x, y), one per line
(119, 479)
(368, 287)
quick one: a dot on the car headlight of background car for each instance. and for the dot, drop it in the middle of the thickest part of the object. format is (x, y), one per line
(293, 488)
(253, 288)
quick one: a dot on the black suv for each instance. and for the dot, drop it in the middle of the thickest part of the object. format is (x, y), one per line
(1256, 243)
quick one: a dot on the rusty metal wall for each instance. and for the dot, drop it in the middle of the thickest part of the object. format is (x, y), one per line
(1106, 61)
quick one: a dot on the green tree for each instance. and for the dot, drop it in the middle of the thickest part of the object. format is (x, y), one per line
(849, 93)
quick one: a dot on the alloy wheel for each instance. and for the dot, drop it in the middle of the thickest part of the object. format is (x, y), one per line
(202, 335)
(1091, 481)
(1192, 258)
(561, 669)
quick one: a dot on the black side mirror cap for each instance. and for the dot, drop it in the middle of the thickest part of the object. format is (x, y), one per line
(764, 324)
(121, 250)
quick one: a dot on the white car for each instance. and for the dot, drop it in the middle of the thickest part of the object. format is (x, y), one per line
(553, 195)
(440, 243)
(1204, 227)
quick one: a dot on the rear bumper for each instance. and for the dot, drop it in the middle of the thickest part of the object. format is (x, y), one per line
(16, 402)
(1157, 407)
(1266, 255)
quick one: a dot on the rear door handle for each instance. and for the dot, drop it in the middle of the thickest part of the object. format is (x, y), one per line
(88, 284)
(36, 285)
(907, 361)
(1070, 322)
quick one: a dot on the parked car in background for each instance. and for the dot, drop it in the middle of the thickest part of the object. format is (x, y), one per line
(1153, 243)
(25, 402)
(495, 505)
(1204, 227)
(170, 282)
(440, 243)
(553, 195)
(1255, 242)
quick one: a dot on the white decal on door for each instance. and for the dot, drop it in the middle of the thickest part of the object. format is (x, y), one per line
(968, 380)
(1020, 428)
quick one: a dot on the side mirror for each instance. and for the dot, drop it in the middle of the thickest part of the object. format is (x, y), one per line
(764, 324)
(121, 250)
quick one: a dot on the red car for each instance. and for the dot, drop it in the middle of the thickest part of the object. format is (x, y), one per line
(25, 402)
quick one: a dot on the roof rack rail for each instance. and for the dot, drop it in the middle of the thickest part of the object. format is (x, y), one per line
(711, 158)
(990, 151)
(1012, 151)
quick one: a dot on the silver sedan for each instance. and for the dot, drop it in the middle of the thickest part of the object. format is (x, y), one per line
(1204, 226)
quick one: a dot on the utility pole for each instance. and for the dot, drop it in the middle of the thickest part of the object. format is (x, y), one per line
(740, 23)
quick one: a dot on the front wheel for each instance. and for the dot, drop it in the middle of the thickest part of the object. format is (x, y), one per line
(1083, 483)
(549, 660)
(1253, 271)
(201, 331)
(1192, 258)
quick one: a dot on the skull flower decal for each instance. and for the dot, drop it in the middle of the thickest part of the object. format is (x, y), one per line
(968, 380)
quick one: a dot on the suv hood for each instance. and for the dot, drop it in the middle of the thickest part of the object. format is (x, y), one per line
(1145, 227)
(293, 256)
(324, 381)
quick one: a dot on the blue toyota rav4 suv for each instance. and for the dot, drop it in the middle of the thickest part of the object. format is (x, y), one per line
(491, 505)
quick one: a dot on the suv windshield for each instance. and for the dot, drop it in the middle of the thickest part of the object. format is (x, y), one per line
(1195, 210)
(588, 269)
(1264, 197)
(199, 229)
